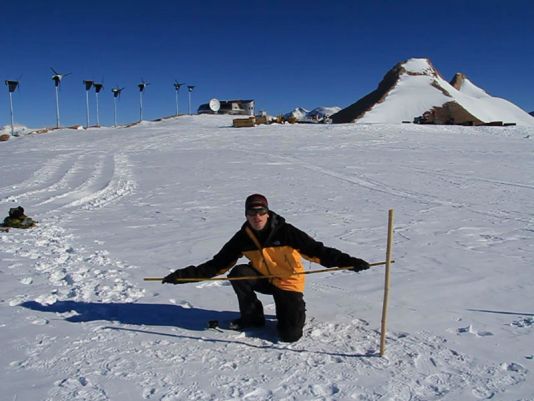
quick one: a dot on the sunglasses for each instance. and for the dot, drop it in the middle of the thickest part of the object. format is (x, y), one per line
(262, 211)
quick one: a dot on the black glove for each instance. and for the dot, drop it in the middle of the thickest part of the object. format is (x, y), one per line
(359, 265)
(180, 273)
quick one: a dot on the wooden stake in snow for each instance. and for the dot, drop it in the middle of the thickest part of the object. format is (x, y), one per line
(386, 284)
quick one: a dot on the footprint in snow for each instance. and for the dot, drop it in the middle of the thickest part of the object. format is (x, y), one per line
(470, 330)
(40, 322)
(513, 367)
(324, 390)
(523, 322)
(183, 304)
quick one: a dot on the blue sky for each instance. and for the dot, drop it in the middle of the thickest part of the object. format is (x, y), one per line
(283, 54)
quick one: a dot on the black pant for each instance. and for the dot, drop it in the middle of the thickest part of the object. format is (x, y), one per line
(290, 306)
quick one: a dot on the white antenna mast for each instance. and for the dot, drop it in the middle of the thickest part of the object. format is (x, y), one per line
(12, 87)
(141, 87)
(98, 88)
(116, 93)
(57, 77)
(88, 86)
(190, 89)
(177, 86)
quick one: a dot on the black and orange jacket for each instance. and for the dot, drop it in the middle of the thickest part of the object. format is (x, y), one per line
(277, 250)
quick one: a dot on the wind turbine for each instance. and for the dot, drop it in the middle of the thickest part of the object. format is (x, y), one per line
(57, 78)
(190, 89)
(88, 86)
(98, 88)
(12, 87)
(116, 93)
(177, 86)
(141, 87)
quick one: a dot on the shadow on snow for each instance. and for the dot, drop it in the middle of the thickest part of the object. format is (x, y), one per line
(134, 313)
(168, 315)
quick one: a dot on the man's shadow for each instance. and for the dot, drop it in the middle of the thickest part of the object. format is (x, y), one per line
(135, 313)
(138, 314)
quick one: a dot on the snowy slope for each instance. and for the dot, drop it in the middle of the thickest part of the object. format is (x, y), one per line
(77, 321)
(420, 88)
(411, 97)
(487, 107)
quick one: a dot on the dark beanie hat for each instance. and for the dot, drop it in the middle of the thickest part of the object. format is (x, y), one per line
(256, 200)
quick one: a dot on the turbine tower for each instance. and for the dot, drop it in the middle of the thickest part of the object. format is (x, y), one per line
(141, 87)
(98, 88)
(177, 86)
(57, 78)
(12, 87)
(88, 86)
(190, 89)
(116, 94)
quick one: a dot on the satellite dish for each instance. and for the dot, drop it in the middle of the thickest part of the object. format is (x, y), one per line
(215, 105)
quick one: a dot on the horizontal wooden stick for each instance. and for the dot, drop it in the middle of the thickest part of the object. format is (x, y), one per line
(194, 280)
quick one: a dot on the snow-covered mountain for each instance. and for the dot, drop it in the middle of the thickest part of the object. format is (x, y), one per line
(320, 113)
(317, 114)
(415, 88)
(299, 113)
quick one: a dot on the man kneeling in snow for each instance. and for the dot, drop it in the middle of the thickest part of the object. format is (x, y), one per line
(274, 248)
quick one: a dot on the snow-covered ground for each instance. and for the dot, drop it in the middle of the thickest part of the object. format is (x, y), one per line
(77, 321)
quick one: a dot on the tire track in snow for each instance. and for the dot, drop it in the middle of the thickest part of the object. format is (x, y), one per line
(98, 171)
(361, 181)
(40, 177)
(61, 184)
(471, 178)
(120, 184)
(110, 179)
(417, 197)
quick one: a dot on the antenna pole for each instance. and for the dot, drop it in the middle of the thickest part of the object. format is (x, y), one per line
(176, 101)
(57, 106)
(141, 105)
(190, 89)
(98, 87)
(189, 102)
(11, 110)
(97, 111)
(88, 86)
(115, 110)
(87, 107)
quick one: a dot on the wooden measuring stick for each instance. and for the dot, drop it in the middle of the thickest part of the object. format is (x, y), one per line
(386, 284)
(193, 280)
